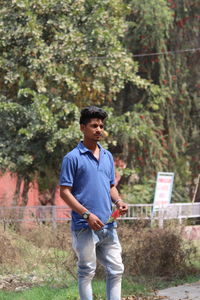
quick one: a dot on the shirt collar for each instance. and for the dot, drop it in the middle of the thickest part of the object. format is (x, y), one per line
(84, 149)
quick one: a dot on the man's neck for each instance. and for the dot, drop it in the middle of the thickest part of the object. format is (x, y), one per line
(90, 145)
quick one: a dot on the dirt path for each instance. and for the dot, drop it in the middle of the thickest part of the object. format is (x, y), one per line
(182, 292)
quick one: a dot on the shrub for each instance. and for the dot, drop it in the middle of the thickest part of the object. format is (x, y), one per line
(8, 253)
(40, 250)
(155, 251)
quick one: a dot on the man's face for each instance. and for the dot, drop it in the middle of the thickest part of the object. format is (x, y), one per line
(93, 130)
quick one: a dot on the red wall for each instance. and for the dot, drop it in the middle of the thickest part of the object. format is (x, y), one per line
(7, 189)
(8, 186)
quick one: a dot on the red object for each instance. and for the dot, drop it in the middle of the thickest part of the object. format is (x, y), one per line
(116, 214)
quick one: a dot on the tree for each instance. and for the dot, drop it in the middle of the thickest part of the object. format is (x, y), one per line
(58, 56)
(166, 28)
(55, 56)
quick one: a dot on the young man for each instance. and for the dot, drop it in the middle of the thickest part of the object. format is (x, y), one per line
(87, 185)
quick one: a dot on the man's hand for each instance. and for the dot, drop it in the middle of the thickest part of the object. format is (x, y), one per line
(122, 206)
(94, 222)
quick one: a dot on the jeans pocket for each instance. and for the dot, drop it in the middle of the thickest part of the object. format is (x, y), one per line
(79, 232)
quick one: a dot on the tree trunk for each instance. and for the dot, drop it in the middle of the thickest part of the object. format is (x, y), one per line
(17, 191)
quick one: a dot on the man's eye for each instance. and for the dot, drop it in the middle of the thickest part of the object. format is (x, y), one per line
(96, 126)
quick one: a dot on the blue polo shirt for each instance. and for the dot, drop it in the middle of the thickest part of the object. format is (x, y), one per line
(90, 180)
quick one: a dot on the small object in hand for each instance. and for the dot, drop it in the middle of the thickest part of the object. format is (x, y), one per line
(114, 216)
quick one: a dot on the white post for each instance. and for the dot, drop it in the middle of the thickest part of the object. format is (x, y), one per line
(161, 218)
(54, 216)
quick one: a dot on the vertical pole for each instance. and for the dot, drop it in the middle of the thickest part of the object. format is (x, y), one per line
(54, 217)
(161, 218)
(180, 215)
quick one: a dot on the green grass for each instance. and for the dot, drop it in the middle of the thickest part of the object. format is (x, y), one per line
(70, 293)
(42, 293)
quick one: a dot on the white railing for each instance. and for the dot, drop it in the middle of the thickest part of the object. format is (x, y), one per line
(56, 214)
(171, 211)
(35, 214)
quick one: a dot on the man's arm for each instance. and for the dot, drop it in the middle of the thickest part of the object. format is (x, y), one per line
(93, 221)
(70, 200)
(120, 204)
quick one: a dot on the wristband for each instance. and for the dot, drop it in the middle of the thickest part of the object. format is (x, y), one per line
(117, 201)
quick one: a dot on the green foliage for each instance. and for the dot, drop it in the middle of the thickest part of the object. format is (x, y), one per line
(66, 48)
(55, 56)
(58, 56)
(36, 136)
(136, 193)
(149, 24)
(175, 101)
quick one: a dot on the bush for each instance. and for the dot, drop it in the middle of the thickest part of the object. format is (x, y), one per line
(40, 251)
(55, 243)
(147, 252)
(155, 251)
(45, 236)
(8, 253)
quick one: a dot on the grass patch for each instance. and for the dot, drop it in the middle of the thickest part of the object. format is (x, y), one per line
(71, 293)
(133, 287)
(42, 293)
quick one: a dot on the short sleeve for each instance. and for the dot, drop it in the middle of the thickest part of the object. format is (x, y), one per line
(112, 179)
(67, 172)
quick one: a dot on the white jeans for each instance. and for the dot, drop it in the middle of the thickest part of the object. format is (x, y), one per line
(103, 245)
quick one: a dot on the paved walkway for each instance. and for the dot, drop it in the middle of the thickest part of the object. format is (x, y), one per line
(182, 292)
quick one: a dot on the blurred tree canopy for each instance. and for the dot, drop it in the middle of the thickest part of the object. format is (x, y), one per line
(58, 56)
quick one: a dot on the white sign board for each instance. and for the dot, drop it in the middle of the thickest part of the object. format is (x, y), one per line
(163, 190)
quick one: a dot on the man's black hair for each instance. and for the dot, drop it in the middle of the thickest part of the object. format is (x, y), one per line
(91, 112)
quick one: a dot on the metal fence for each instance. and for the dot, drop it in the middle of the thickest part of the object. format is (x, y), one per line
(56, 214)
(37, 214)
(171, 211)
